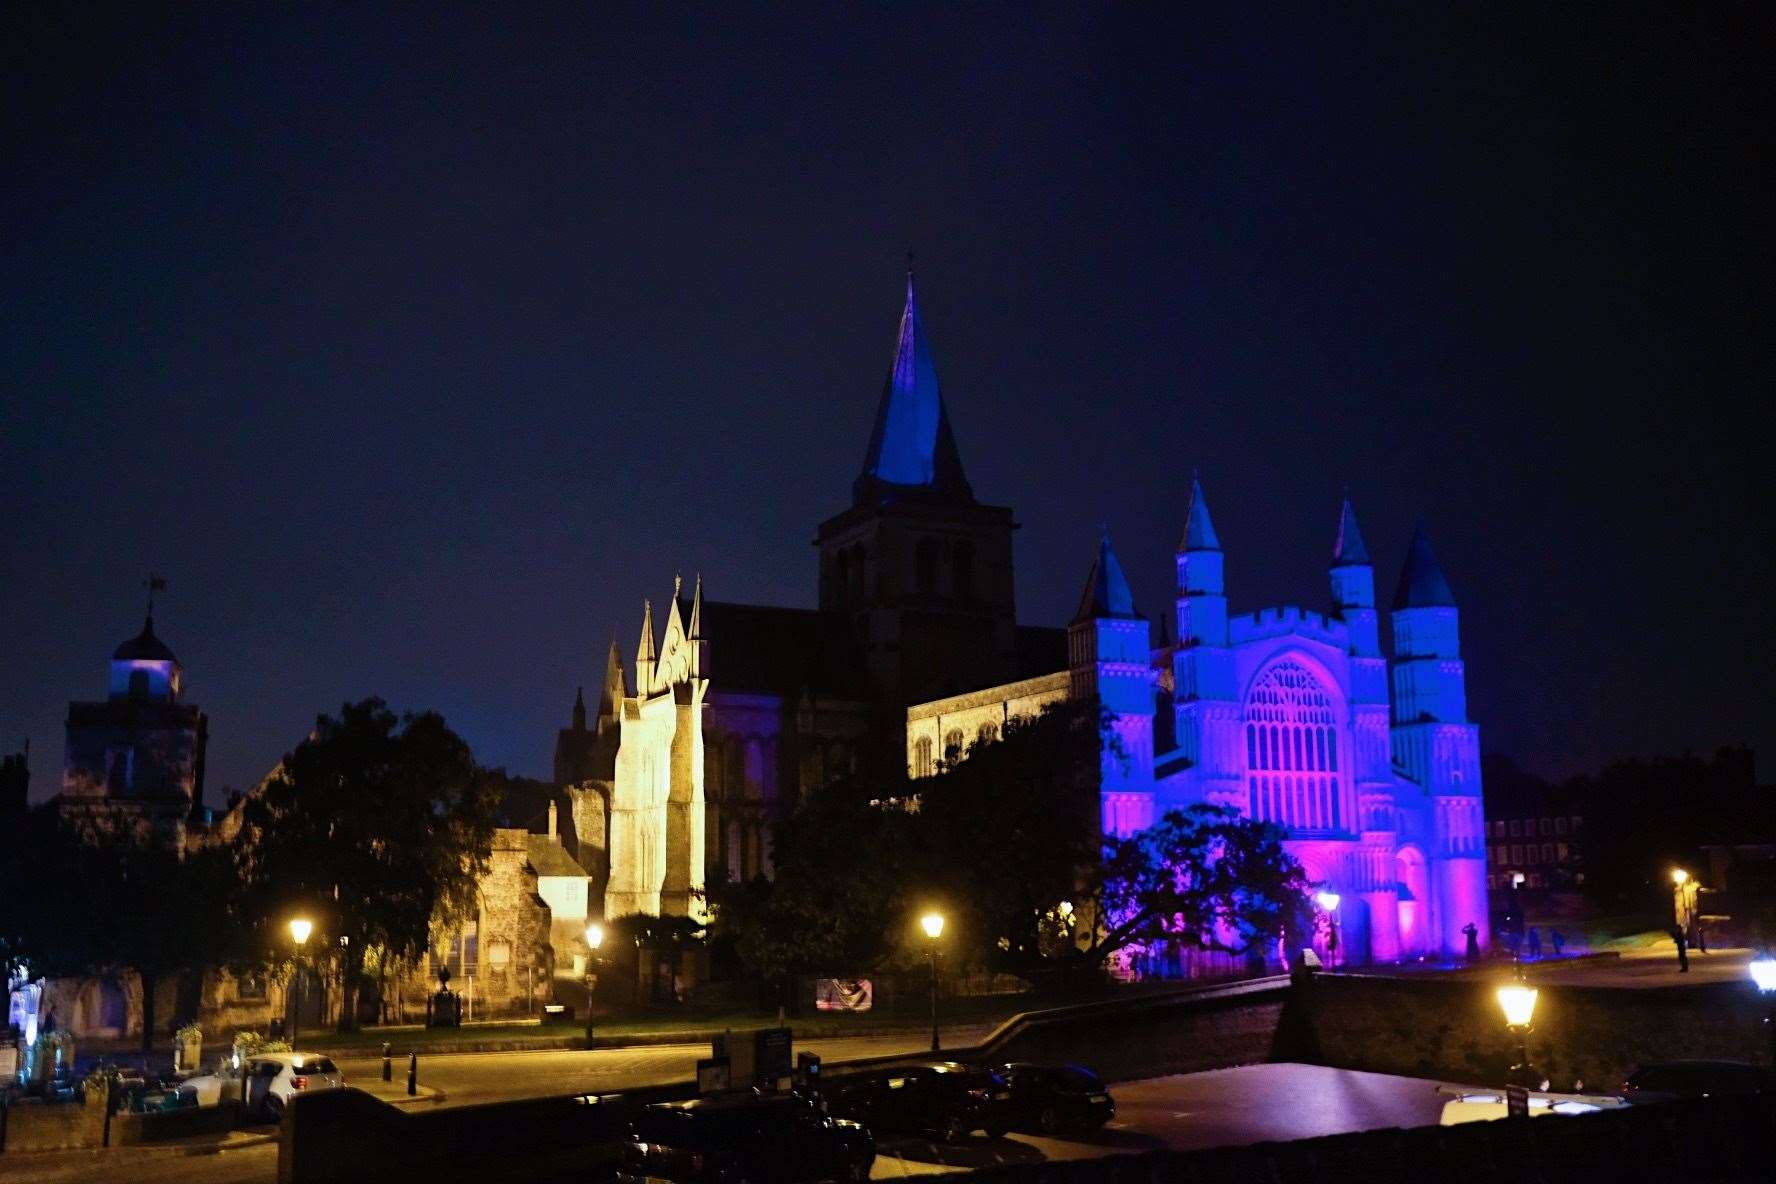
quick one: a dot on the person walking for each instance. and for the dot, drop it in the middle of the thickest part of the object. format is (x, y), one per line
(1683, 949)
(1558, 939)
(1473, 935)
(1535, 942)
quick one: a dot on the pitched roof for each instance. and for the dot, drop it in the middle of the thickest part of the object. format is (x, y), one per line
(1106, 589)
(911, 450)
(549, 858)
(1199, 530)
(1422, 584)
(144, 647)
(1349, 550)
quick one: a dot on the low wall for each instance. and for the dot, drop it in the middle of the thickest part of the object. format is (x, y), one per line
(51, 1126)
(1453, 1029)
(128, 1129)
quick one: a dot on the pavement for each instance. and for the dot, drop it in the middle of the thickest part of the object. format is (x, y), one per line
(1252, 1104)
(1645, 968)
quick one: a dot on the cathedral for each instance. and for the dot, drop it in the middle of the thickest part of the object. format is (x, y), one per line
(1366, 760)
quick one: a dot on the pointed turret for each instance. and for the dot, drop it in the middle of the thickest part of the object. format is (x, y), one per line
(614, 690)
(1422, 584)
(1106, 589)
(911, 449)
(696, 630)
(1349, 550)
(1199, 529)
(579, 709)
(645, 653)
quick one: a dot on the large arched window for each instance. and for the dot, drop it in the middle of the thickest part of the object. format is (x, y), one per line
(922, 757)
(1292, 750)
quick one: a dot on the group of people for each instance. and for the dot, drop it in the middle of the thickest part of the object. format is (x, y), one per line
(1527, 943)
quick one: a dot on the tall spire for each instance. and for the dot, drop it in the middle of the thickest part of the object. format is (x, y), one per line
(1199, 531)
(611, 697)
(1349, 550)
(911, 449)
(1106, 588)
(579, 710)
(1422, 584)
(645, 653)
(696, 628)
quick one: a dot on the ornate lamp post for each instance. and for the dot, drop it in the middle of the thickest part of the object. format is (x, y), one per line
(1684, 892)
(1518, 1002)
(300, 928)
(594, 939)
(1329, 902)
(933, 924)
(1763, 973)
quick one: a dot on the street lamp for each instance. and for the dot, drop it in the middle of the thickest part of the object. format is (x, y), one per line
(1763, 973)
(933, 924)
(1329, 902)
(300, 928)
(1518, 1002)
(594, 939)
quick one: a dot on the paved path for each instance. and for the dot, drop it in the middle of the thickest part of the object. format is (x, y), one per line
(1228, 1106)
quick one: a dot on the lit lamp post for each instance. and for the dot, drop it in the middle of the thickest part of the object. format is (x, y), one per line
(1683, 902)
(594, 939)
(1763, 973)
(1518, 1002)
(933, 924)
(300, 928)
(1329, 902)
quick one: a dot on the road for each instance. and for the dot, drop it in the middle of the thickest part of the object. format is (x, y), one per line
(468, 1078)
(1252, 1104)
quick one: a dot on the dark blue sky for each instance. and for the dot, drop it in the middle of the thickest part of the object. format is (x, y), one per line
(415, 347)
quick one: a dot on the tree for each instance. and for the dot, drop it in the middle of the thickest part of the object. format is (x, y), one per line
(844, 870)
(375, 828)
(1010, 827)
(110, 896)
(1205, 877)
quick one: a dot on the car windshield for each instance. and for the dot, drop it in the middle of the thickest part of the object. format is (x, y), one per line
(312, 1065)
(1076, 1078)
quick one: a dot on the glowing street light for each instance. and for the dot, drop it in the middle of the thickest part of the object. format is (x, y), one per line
(594, 939)
(933, 925)
(300, 928)
(1518, 1002)
(1679, 876)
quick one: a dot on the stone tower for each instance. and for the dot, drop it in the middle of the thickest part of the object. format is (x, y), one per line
(920, 568)
(1110, 662)
(1205, 706)
(140, 753)
(1436, 746)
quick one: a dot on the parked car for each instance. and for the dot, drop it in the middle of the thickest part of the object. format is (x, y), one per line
(745, 1139)
(273, 1078)
(1057, 1099)
(943, 1099)
(1671, 1080)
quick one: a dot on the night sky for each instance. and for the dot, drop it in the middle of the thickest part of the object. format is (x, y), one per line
(414, 348)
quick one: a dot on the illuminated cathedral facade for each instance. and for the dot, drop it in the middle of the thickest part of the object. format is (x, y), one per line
(1366, 759)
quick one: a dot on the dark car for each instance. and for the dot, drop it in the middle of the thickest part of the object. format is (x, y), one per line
(1672, 1080)
(1057, 1099)
(943, 1099)
(745, 1139)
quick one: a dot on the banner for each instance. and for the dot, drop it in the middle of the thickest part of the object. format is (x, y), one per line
(843, 994)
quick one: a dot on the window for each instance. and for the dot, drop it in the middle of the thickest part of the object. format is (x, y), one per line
(1516, 829)
(1547, 852)
(1547, 826)
(1560, 826)
(1292, 749)
(953, 745)
(1516, 853)
(962, 571)
(120, 768)
(922, 757)
(989, 733)
(249, 987)
(925, 566)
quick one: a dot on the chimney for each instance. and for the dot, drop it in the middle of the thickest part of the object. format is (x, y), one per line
(551, 818)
